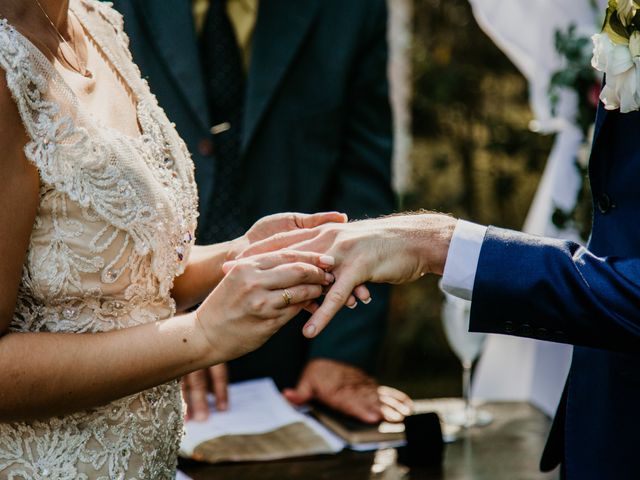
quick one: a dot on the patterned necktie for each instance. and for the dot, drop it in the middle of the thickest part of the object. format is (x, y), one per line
(224, 78)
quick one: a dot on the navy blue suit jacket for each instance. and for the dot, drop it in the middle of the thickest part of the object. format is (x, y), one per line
(317, 136)
(558, 291)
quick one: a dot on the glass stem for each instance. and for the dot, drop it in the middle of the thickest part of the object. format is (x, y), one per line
(466, 392)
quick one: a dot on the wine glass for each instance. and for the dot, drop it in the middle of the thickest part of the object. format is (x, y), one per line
(467, 347)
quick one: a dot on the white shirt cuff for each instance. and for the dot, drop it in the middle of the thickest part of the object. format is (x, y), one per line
(462, 260)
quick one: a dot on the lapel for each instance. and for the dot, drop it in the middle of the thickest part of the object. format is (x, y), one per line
(281, 27)
(601, 116)
(170, 23)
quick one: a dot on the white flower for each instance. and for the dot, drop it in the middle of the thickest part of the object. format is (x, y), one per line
(626, 11)
(602, 46)
(622, 89)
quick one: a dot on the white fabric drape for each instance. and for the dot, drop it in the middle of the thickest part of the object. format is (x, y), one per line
(514, 368)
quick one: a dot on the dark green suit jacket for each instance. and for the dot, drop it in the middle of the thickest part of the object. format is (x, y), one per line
(317, 136)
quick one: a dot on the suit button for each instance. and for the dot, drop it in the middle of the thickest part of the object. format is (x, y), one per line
(542, 333)
(525, 330)
(605, 204)
(205, 147)
(509, 327)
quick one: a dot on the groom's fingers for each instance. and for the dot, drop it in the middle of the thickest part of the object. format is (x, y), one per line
(336, 298)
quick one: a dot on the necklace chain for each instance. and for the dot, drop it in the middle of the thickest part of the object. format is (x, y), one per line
(82, 66)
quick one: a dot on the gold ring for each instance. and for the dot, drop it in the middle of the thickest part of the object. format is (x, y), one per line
(287, 297)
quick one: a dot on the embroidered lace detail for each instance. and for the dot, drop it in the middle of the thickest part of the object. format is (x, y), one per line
(114, 228)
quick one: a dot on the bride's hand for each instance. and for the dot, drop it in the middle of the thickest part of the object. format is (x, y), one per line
(282, 222)
(258, 296)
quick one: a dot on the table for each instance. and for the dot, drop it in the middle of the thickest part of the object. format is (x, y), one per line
(508, 449)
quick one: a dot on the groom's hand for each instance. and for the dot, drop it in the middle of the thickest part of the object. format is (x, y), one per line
(350, 391)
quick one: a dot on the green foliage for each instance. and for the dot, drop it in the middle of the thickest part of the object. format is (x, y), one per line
(577, 75)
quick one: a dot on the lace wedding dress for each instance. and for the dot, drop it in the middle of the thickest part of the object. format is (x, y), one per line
(114, 228)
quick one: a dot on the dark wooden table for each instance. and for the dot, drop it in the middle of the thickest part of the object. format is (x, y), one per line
(508, 449)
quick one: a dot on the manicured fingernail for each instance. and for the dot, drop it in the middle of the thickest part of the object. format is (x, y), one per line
(310, 330)
(353, 306)
(329, 278)
(327, 260)
(367, 301)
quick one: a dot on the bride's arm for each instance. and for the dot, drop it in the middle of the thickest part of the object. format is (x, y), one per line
(204, 270)
(202, 273)
(46, 374)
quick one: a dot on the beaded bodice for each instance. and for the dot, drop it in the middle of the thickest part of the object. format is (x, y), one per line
(113, 230)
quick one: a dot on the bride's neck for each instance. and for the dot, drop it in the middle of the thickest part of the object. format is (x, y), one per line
(29, 14)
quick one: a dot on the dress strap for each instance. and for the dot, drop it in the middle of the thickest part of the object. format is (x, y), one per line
(28, 81)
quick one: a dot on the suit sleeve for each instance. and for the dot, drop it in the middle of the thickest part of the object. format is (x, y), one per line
(556, 290)
(362, 185)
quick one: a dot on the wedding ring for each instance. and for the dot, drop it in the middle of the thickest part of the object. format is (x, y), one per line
(287, 297)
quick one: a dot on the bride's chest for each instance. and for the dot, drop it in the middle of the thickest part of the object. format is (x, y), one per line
(115, 222)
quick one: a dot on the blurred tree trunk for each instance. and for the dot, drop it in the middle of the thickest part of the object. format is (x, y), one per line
(400, 75)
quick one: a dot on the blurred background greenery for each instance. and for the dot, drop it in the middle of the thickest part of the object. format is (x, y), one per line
(473, 156)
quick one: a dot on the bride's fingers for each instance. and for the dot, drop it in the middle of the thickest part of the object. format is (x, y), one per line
(335, 299)
(270, 260)
(316, 219)
(299, 295)
(299, 273)
(279, 241)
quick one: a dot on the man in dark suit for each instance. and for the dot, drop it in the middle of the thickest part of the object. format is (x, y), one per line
(284, 106)
(538, 287)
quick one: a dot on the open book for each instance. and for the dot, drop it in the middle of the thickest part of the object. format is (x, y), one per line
(260, 425)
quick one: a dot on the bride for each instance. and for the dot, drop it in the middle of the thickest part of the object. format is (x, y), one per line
(98, 214)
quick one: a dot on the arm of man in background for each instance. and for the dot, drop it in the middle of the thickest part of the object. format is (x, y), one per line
(341, 361)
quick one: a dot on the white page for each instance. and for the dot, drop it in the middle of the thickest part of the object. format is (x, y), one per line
(255, 407)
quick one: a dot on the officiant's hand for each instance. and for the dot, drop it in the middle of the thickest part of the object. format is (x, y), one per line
(350, 391)
(395, 249)
(196, 387)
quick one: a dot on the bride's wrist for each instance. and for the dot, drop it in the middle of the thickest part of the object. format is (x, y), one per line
(236, 247)
(209, 350)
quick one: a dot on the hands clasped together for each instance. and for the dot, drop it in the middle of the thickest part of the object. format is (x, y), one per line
(395, 249)
(286, 263)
